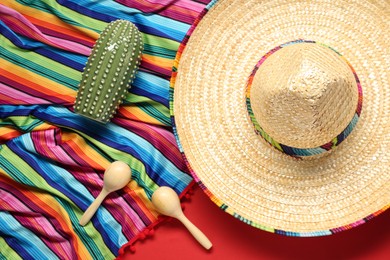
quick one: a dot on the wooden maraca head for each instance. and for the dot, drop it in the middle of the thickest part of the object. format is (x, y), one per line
(166, 201)
(117, 175)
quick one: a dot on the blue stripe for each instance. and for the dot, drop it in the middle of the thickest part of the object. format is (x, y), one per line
(351, 125)
(67, 187)
(109, 11)
(64, 58)
(56, 177)
(152, 87)
(20, 238)
(36, 68)
(11, 110)
(75, 61)
(158, 167)
(9, 34)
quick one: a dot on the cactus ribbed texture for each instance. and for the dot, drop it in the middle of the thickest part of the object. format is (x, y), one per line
(110, 68)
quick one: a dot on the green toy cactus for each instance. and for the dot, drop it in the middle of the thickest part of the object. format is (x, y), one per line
(110, 68)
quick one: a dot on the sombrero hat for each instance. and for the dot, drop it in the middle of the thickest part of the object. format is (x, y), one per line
(282, 111)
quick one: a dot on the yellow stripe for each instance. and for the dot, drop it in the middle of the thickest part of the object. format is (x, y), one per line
(133, 185)
(85, 151)
(47, 198)
(5, 130)
(41, 60)
(44, 16)
(140, 114)
(45, 84)
(158, 61)
(113, 153)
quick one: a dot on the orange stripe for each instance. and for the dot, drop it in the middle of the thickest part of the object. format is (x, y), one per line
(44, 126)
(8, 133)
(89, 155)
(38, 228)
(158, 61)
(9, 100)
(63, 93)
(176, 9)
(138, 194)
(55, 23)
(92, 158)
(45, 201)
(137, 114)
(52, 208)
(64, 28)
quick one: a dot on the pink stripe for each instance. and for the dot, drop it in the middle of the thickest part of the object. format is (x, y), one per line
(19, 96)
(64, 36)
(39, 225)
(157, 136)
(91, 180)
(20, 24)
(50, 145)
(122, 212)
(184, 4)
(60, 155)
(166, 73)
(184, 11)
(30, 91)
(53, 142)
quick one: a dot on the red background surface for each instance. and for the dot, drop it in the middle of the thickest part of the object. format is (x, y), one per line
(233, 239)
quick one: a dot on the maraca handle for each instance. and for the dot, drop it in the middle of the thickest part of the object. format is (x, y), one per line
(88, 214)
(198, 235)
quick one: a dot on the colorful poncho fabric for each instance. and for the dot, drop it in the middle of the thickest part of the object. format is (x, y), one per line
(52, 160)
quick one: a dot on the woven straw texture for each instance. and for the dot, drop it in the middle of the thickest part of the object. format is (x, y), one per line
(243, 174)
(305, 90)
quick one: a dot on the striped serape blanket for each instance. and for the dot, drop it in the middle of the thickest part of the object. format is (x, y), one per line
(52, 160)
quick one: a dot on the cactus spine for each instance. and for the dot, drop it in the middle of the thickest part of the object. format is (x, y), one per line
(110, 68)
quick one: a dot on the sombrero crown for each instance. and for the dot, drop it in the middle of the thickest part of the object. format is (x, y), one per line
(304, 99)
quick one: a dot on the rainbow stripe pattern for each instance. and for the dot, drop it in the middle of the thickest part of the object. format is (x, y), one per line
(52, 160)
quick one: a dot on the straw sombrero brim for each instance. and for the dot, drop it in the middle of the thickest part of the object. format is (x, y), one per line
(240, 172)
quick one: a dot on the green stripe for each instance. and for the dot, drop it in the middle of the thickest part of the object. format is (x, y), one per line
(161, 42)
(43, 71)
(161, 114)
(159, 51)
(134, 99)
(138, 173)
(8, 160)
(18, 169)
(24, 123)
(90, 237)
(40, 61)
(152, 108)
(7, 252)
(137, 166)
(65, 14)
(25, 237)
